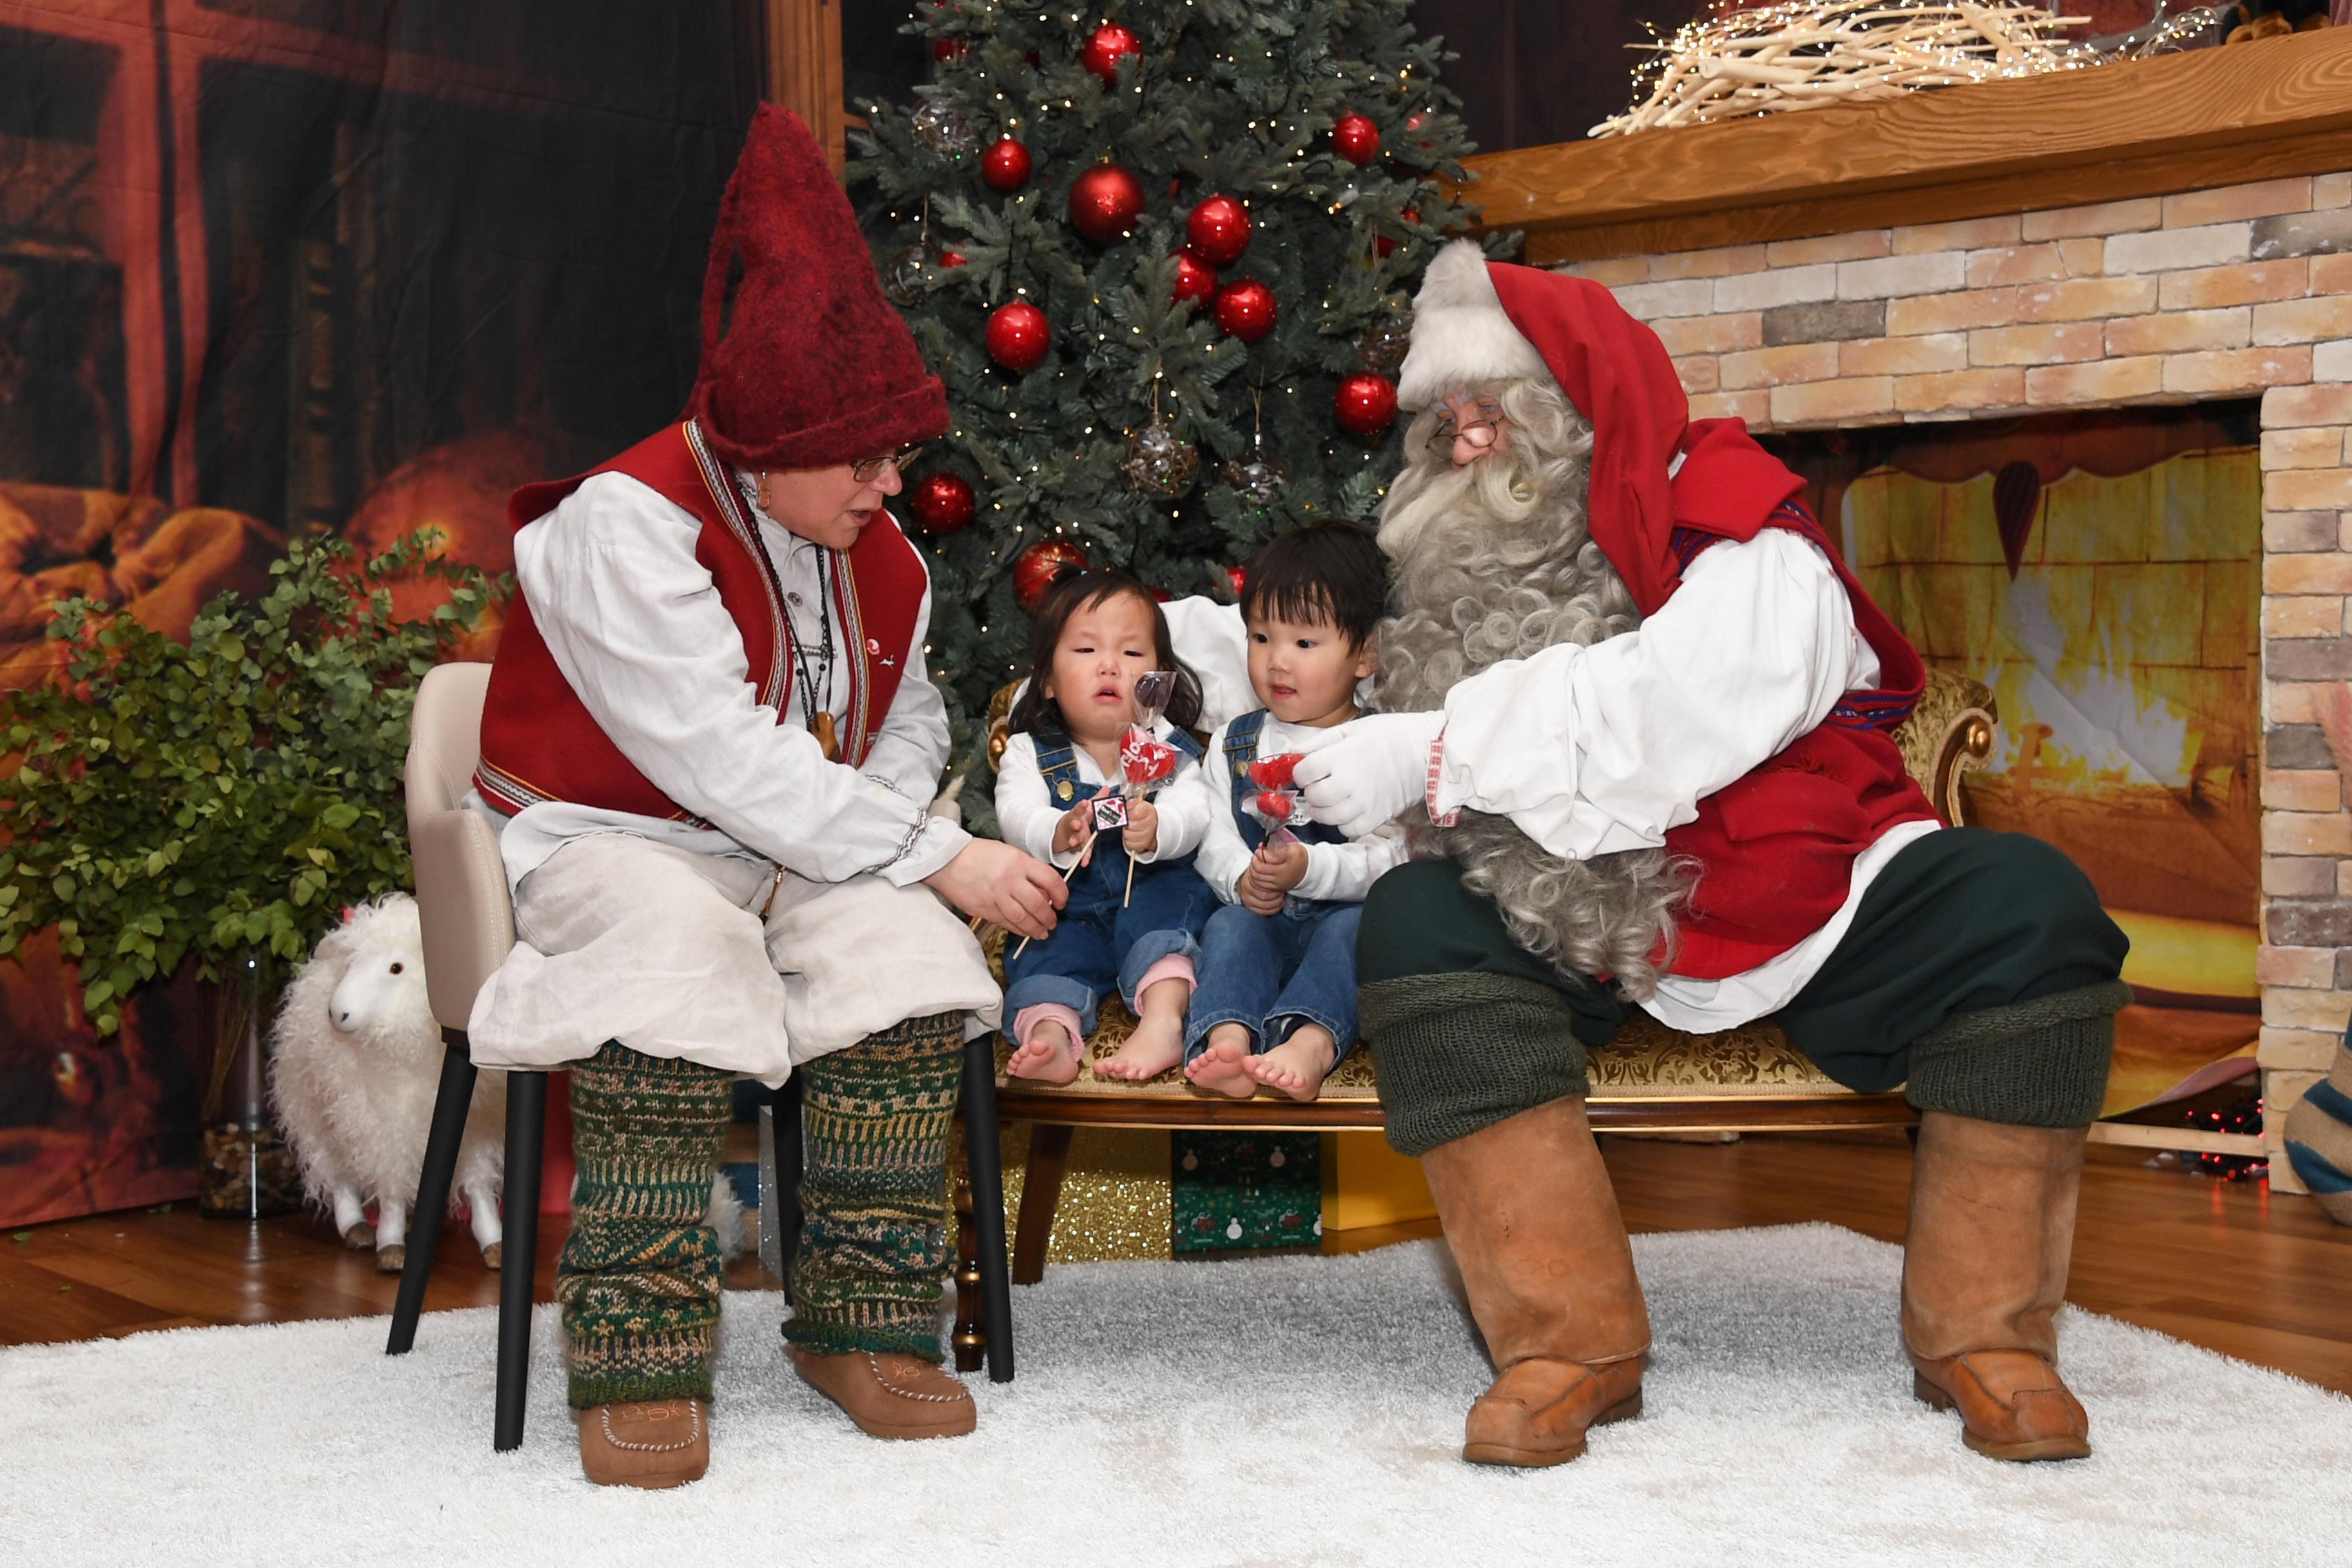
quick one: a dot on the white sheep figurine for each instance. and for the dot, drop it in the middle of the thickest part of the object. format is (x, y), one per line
(355, 1070)
(356, 1067)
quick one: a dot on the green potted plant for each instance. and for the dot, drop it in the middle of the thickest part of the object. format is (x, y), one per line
(218, 802)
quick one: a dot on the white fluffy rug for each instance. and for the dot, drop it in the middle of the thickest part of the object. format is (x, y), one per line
(1291, 1410)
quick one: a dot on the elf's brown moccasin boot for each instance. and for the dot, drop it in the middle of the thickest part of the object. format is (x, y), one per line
(888, 1394)
(1534, 1227)
(653, 1444)
(1984, 1273)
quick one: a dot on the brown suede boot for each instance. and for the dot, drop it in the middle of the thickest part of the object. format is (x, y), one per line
(652, 1444)
(1984, 1270)
(887, 1394)
(1533, 1223)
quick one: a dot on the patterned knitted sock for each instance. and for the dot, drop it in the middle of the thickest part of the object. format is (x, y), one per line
(873, 1252)
(2319, 1139)
(639, 1275)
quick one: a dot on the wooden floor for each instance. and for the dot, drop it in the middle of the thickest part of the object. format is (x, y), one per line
(2221, 1265)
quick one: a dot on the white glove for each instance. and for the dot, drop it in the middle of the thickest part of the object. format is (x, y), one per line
(1359, 777)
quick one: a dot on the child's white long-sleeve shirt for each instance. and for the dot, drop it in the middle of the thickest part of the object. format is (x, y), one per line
(1027, 812)
(1343, 873)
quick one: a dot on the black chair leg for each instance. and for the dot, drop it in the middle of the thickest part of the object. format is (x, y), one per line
(785, 1111)
(526, 1124)
(981, 1139)
(450, 1103)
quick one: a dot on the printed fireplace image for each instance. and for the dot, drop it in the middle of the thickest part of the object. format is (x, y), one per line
(2101, 574)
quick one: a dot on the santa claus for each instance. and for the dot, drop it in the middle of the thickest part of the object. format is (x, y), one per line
(1640, 709)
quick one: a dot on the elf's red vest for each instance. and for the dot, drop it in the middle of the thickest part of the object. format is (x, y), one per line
(1775, 849)
(538, 741)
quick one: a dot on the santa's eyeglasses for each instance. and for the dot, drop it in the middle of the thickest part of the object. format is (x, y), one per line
(1481, 430)
(866, 469)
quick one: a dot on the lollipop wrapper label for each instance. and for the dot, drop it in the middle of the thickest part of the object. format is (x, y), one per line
(1110, 811)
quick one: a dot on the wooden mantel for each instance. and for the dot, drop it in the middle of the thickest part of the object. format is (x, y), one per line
(2178, 123)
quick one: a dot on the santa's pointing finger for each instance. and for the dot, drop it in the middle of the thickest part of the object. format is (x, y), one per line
(1361, 776)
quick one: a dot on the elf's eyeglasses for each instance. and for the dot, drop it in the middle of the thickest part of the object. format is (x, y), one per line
(866, 469)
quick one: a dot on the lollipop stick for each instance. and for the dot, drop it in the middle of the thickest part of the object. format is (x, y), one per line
(1066, 878)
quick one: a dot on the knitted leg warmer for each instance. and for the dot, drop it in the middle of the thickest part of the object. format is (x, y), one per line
(2042, 1063)
(639, 1275)
(1457, 1053)
(873, 1251)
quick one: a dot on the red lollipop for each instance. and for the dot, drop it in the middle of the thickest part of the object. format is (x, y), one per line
(1143, 760)
(1005, 165)
(1274, 773)
(1355, 138)
(1247, 308)
(1104, 202)
(1109, 43)
(1018, 337)
(1218, 230)
(1195, 279)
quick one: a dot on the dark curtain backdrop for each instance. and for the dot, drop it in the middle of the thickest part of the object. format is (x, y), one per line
(271, 266)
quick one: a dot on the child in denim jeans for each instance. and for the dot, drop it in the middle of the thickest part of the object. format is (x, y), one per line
(1276, 1001)
(1094, 633)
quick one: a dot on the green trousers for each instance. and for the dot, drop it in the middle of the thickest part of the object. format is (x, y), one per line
(639, 1276)
(1980, 973)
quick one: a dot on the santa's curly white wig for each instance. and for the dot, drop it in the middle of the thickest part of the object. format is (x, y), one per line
(1491, 561)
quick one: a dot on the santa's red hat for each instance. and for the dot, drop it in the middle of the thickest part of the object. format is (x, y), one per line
(811, 366)
(1654, 470)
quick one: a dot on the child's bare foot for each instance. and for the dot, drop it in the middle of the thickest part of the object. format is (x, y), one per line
(1157, 1045)
(1297, 1065)
(1048, 1055)
(1223, 1065)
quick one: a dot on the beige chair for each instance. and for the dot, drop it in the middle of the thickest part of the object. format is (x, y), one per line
(467, 924)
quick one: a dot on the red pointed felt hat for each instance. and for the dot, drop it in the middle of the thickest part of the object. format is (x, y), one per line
(809, 366)
(1654, 468)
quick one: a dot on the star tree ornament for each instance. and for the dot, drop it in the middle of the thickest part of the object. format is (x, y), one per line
(1106, 46)
(1365, 404)
(1035, 569)
(1246, 310)
(1017, 336)
(1218, 230)
(1355, 138)
(1005, 165)
(1105, 203)
(1158, 461)
(943, 503)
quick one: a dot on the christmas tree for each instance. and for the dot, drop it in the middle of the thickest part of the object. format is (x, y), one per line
(1163, 260)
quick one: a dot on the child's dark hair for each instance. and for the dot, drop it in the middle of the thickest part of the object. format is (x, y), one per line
(1071, 591)
(1330, 573)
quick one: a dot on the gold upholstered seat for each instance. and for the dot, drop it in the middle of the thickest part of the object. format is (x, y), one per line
(1651, 1078)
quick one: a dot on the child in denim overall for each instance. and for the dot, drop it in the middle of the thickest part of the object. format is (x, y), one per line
(1094, 633)
(1275, 1007)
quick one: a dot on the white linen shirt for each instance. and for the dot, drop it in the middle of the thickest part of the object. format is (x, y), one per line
(634, 623)
(1027, 814)
(1343, 873)
(1594, 749)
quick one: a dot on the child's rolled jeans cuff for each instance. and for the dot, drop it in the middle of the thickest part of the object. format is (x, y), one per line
(1175, 966)
(1151, 949)
(1280, 1027)
(1196, 1031)
(1027, 1022)
(1058, 990)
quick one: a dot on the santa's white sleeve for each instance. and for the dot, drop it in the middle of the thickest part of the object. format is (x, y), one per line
(1223, 856)
(911, 747)
(1183, 807)
(1598, 749)
(636, 624)
(1026, 813)
(1346, 872)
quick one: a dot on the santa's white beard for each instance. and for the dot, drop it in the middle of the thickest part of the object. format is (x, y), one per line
(1491, 562)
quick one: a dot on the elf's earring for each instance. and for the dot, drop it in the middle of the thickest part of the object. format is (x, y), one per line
(763, 493)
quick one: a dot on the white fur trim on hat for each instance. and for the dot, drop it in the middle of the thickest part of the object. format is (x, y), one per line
(1460, 333)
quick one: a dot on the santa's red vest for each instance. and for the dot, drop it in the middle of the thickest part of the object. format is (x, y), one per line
(538, 743)
(1774, 850)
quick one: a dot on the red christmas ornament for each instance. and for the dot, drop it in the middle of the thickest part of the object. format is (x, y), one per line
(1355, 138)
(953, 258)
(1162, 597)
(1195, 279)
(1018, 337)
(1104, 202)
(1005, 165)
(1035, 569)
(1109, 43)
(943, 503)
(1237, 576)
(950, 48)
(1382, 245)
(1248, 310)
(1219, 230)
(1365, 404)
